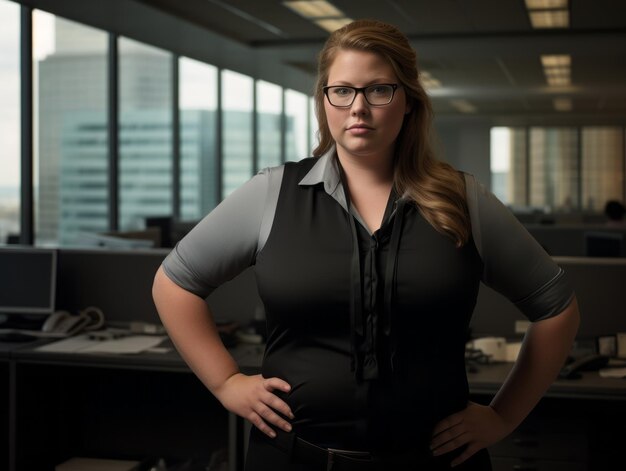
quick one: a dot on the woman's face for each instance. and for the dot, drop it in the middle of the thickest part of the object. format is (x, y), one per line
(362, 130)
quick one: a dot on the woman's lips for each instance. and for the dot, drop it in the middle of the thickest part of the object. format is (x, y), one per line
(359, 129)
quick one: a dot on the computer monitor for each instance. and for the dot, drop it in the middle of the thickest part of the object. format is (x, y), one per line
(604, 244)
(27, 280)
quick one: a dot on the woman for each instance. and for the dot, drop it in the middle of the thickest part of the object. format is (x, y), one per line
(368, 259)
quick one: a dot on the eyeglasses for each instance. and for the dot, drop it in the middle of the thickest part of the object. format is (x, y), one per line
(343, 96)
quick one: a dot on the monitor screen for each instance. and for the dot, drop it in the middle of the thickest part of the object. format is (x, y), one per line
(604, 244)
(27, 280)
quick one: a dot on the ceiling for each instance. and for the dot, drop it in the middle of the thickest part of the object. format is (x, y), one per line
(482, 51)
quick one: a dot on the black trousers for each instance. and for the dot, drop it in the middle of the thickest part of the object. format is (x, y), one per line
(263, 455)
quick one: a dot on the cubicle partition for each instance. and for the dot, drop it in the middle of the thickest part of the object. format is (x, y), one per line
(599, 284)
(573, 240)
(119, 282)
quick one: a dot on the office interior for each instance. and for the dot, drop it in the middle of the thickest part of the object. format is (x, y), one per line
(125, 121)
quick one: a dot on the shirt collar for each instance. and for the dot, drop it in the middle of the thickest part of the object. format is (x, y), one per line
(326, 171)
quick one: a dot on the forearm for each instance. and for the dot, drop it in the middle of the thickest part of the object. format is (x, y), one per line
(543, 353)
(190, 325)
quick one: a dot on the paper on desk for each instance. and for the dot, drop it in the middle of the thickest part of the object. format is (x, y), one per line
(69, 345)
(130, 344)
(83, 344)
(612, 373)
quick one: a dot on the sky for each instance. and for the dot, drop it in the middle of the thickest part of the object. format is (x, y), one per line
(43, 44)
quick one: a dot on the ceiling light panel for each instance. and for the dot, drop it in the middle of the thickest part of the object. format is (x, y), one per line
(562, 104)
(428, 81)
(314, 9)
(557, 69)
(559, 81)
(556, 60)
(546, 4)
(549, 19)
(463, 106)
(332, 24)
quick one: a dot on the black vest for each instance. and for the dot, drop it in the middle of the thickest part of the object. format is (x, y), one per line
(362, 376)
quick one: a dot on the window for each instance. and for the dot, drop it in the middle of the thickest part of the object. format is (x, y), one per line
(269, 109)
(313, 126)
(296, 132)
(145, 106)
(9, 119)
(508, 165)
(570, 169)
(602, 166)
(554, 172)
(70, 72)
(198, 113)
(70, 123)
(237, 105)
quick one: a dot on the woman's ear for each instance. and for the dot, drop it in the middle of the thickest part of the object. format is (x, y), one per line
(408, 106)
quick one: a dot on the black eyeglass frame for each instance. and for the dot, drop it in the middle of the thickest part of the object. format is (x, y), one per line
(357, 90)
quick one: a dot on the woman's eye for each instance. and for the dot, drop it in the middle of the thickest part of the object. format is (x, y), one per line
(342, 91)
(378, 90)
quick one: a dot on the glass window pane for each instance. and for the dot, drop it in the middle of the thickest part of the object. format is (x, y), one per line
(70, 90)
(603, 166)
(237, 105)
(313, 127)
(9, 119)
(297, 133)
(198, 133)
(145, 104)
(269, 108)
(508, 165)
(554, 168)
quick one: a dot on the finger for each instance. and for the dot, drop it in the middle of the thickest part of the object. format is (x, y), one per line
(268, 415)
(256, 420)
(278, 405)
(453, 444)
(276, 383)
(447, 423)
(447, 435)
(469, 451)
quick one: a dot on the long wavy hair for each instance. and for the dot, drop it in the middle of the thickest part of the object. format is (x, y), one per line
(437, 189)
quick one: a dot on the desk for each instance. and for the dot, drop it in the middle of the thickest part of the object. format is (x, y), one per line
(63, 405)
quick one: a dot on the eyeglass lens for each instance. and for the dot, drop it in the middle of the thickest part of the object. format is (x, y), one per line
(375, 95)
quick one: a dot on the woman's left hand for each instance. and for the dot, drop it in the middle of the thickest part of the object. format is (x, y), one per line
(476, 427)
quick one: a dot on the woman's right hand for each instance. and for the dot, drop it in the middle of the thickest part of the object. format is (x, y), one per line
(251, 397)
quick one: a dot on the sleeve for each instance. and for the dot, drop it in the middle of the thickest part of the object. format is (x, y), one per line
(514, 263)
(225, 242)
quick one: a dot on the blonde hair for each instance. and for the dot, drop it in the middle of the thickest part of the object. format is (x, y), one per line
(437, 188)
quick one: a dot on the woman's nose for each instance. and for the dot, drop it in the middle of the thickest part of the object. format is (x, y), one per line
(360, 104)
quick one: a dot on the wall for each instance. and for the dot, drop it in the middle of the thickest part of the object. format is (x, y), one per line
(465, 144)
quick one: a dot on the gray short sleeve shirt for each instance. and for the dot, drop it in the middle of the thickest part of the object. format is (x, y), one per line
(228, 240)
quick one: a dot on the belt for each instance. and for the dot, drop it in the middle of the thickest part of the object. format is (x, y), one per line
(328, 459)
